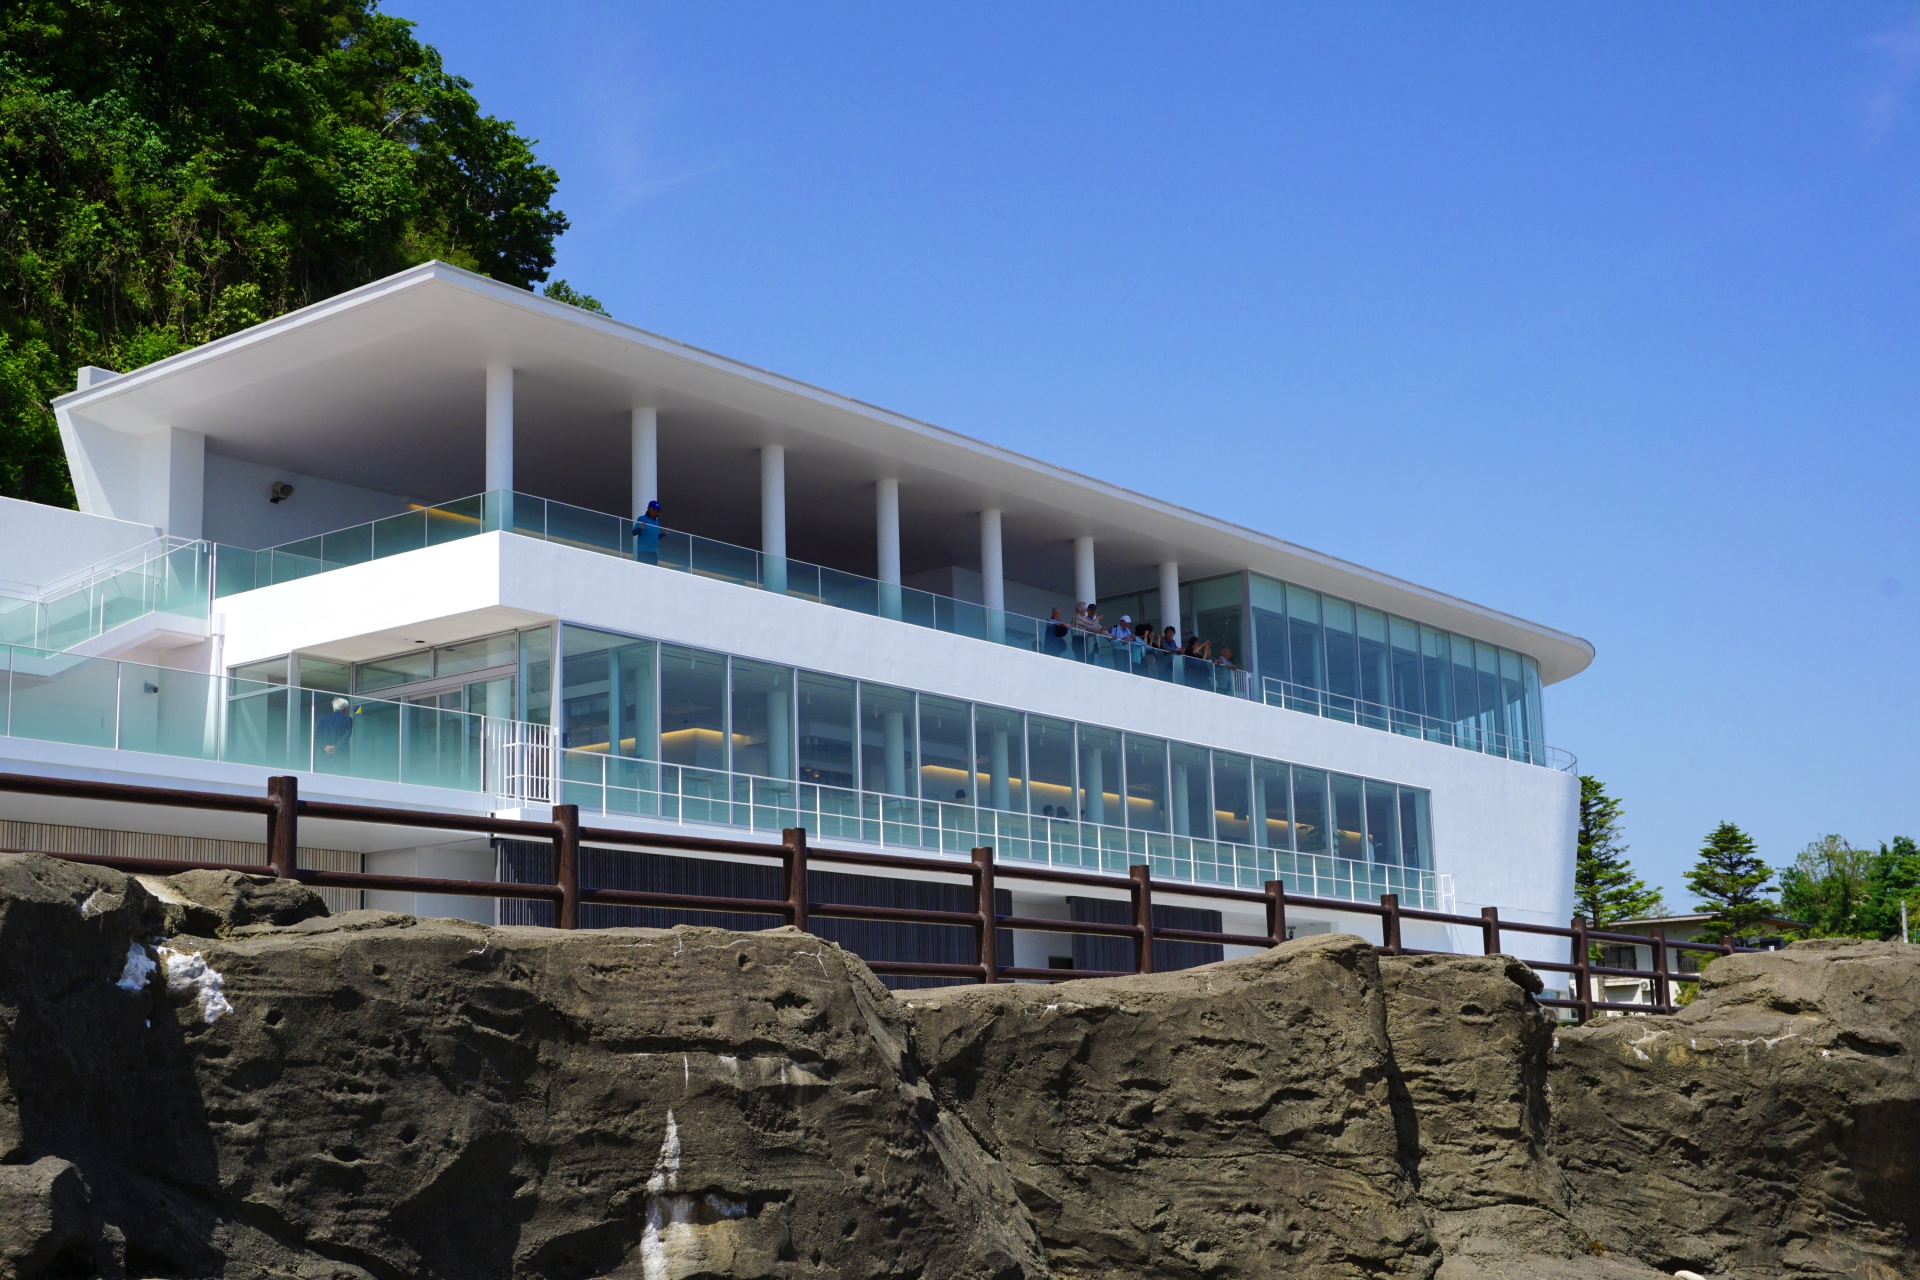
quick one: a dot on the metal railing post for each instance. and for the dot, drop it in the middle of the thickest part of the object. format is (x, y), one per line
(988, 950)
(1662, 984)
(1390, 923)
(793, 841)
(1490, 929)
(1582, 966)
(283, 829)
(1276, 911)
(566, 863)
(1142, 876)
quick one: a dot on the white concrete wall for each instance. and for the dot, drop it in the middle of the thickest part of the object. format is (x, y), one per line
(1504, 831)
(40, 543)
(238, 511)
(152, 478)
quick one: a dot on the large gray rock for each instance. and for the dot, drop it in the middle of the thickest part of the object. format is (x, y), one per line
(372, 1096)
(211, 904)
(1768, 1129)
(1243, 1119)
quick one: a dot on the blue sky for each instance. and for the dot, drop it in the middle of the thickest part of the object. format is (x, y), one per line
(1607, 316)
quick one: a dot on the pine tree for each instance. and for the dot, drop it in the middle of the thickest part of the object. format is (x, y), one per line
(1731, 881)
(1605, 889)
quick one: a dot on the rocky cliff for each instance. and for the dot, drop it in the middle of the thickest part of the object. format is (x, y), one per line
(208, 1076)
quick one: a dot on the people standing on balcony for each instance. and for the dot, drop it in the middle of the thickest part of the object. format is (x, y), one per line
(1057, 629)
(646, 534)
(1122, 630)
(1170, 640)
(334, 730)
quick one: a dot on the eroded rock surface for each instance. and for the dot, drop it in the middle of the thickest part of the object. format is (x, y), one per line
(375, 1096)
(1238, 1120)
(1771, 1128)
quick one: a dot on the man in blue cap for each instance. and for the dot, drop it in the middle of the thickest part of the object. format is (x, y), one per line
(646, 534)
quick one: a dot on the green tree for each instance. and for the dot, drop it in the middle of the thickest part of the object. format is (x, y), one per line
(1605, 889)
(174, 170)
(1827, 888)
(561, 291)
(1731, 882)
(1892, 878)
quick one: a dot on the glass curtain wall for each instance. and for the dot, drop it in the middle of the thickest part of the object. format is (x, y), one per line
(1318, 653)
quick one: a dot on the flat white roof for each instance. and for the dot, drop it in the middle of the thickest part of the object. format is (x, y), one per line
(384, 387)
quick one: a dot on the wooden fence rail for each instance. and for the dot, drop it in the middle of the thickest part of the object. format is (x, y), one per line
(283, 809)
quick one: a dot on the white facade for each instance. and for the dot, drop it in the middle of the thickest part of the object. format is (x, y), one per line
(434, 384)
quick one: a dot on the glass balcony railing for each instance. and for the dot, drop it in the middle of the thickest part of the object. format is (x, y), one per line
(128, 706)
(1484, 733)
(165, 576)
(619, 786)
(237, 570)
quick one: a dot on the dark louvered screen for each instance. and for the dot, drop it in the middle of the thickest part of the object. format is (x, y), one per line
(1091, 952)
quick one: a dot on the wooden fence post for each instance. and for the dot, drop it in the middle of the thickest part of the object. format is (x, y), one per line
(1662, 985)
(988, 949)
(566, 863)
(1490, 930)
(794, 841)
(1390, 924)
(1583, 966)
(1142, 876)
(283, 825)
(1276, 912)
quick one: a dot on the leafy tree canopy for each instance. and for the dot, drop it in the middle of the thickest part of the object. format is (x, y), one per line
(174, 170)
(1605, 888)
(561, 291)
(1843, 892)
(1731, 881)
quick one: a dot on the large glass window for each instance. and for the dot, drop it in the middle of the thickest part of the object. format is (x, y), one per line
(536, 675)
(1370, 626)
(1303, 639)
(1146, 783)
(1437, 669)
(474, 655)
(1218, 607)
(1053, 792)
(826, 730)
(1272, 805)
(886, 740)
(1232, 799)
(1416, 843)
(1343, 664)
(1269, 628)
(1530, 675)
(1310, 822)
(1383, 834)
(387, 673)
(1405, 641)
(328, 677)
(1466, 693)
(608, 695)
(1513, 701)
(1100, 779)
(693, 707)
(999, 764)
(1349, 822)
(1492, 736)
(1189, 774)
(762, 712)
(946, 750)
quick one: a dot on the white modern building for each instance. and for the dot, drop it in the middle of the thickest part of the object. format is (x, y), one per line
(387, 543)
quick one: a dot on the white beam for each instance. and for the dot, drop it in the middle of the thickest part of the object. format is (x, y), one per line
(499, 427)
(993, 582)
(646, 459)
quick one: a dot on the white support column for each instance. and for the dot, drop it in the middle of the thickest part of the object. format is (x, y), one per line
(887, 526)
(1084, 588)
(646, 459)
(993, 582)
(773, 517)
(1170, 598)
(499, 428)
